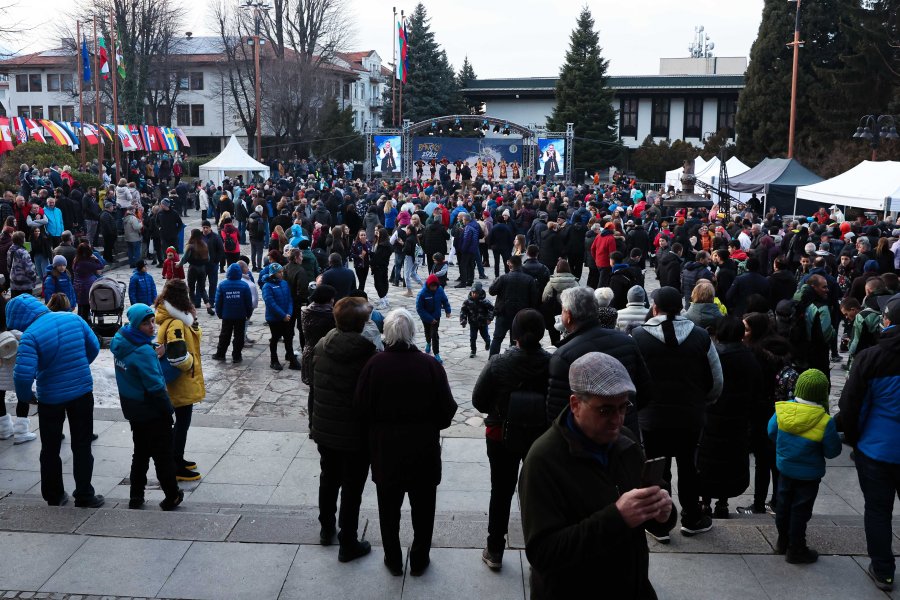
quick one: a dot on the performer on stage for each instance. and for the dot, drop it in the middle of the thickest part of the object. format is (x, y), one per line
(515, 169)
(490, 168)
(420, 168)
(479, 168)
(388, 164)
(502, 168)
(432, 166)
(551, 165)
(458, 164)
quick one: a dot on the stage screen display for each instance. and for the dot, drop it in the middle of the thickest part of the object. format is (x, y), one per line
(495, 150)
(551, 157)
(388, 153)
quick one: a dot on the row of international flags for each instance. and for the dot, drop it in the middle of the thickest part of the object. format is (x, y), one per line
(134, 138)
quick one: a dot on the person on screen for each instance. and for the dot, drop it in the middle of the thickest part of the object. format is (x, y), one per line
(388, 164)
(551, 165)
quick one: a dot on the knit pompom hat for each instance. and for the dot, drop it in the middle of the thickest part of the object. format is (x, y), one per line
(812, 386)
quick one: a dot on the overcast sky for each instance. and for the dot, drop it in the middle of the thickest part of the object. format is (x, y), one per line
(521, 38)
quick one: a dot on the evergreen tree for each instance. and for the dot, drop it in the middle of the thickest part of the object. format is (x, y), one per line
(463, 78)
(339, 139)
(583, 97)
(431, 89)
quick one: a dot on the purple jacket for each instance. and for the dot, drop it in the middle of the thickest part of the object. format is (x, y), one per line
(85, 272)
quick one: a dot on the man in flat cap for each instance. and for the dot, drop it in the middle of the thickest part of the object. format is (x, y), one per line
(583, 508)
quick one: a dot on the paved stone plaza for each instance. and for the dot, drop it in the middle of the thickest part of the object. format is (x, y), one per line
(248, 529)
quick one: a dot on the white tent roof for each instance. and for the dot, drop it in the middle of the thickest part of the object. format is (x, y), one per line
(869, 185)
(673, 177)
(233, 159)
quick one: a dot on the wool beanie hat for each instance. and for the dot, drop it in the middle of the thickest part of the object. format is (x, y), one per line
(138, 313)
(59, 261)
(812, 386)
(636, 294)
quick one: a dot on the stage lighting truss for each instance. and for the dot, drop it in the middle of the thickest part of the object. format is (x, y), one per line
(433, 128)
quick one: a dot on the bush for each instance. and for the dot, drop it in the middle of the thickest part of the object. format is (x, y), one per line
(86, 180)
(192, 165)
(33, 153)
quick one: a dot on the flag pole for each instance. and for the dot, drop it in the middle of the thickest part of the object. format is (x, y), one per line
(80, 91)
(400, 110)
(97, 100)
(113, 69)
(394, 74)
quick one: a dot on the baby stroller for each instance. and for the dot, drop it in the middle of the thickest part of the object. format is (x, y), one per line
(107, 300)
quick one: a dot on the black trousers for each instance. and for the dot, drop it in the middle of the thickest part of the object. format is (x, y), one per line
(682, 446)
(500, 256)
(467, 268)
(380, 279)
(763, 450)
(21, 407)
(605, 274)
(281, 330)
(593, 280)
(109, 248)
(196, 281)
(80, 413)
(474, 330)
(212, 273)
(237, 328)
(344, 472)
(432, 335)
(361, 275)
(422, 501)
(504, 476)
(502, 326)
(153, 439)
(796, 499)
(183, 415)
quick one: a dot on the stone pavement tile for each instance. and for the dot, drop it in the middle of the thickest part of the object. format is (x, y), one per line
(276, 529)
(229, 493)
(451, 501)
(249, 470)
(118, 567)
(118, 434)
(313, 576)
(152, 494)
(222, 571)
(832, 577)
(466, 476)
(704, 577)
(463, 450)
(863, 562)
(832, 540)
(210, 439)
(26, 457)
(18, 481)
(456, 573)
(719, 540)
(276, 444)
(309, 450)
(834, 505)
(159, 525)
(302, 472)
(447, 534)
(103, 485)
(285, 495)
(44, 519)
(109, 461)
(29, 559)
(276, 424)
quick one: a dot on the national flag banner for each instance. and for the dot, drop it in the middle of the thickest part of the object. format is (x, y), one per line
(120, 60)
(182, 138)
(151, 138)
(70, 129)
(6, 138)
(59, 135)
(85, 60)
(136, 136)
(108, 131)
(128, 144)
(170, 139)
(402, 49)
(27, 129)
(19, 129)
(405, 52)
(89, 132)
(104, 58)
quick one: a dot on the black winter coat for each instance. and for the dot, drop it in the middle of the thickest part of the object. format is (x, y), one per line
(743, 287)
(434, 238)
(514, 290)
(782, 285)
(551, 244)
(538, 270)
(514, 370)
(669, 270)
(316, 320)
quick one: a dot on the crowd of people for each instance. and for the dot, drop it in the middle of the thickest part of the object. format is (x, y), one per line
(731, 356)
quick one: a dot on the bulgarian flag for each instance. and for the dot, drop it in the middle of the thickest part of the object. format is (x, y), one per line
(104, 57)
(402, 51)
(120, 61)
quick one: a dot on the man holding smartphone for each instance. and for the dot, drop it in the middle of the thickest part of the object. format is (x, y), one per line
(583, 508)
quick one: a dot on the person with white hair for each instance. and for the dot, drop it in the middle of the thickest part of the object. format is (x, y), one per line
(635, 312)
(404, 424)
(607, 314)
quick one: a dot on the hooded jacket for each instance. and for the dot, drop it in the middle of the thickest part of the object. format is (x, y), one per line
(60, 283)
(277, 296)
(142, 387)
(9, 346)
(704, 314)
(476, 311)
(181, 334)
(233, 297)
(141, 288)
(804, 436)
(22, 275)
(430, 303)
(668, 270)
(691, 274)
(56, 349)
(603, 245)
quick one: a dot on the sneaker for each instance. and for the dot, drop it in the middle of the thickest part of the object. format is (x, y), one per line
(721, 512)
(753, 509)
(438, 358)
(275, 366)
(135, 503)
(172, 503)
(210, 312)
(781, 545)
(353, 551)
(327, 535)
(95, 501)
(885, 584)
(802, 555)
(188, 464)
(427, 348)
(219, 357)
(662, 538)
(183, 474)
(472, 355)
(701, 525)
(494, 560)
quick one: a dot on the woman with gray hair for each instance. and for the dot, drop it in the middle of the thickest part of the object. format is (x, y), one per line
(404, 436)
(607, 314)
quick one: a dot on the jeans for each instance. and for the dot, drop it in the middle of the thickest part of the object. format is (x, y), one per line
(237, 328)
(134, 253)
(242, 231)
(344, 472)
(153, 439)
(256, 253)
(196, 282)
(410, 271)
(432, 337)
(397, 270)
(422, 501)
(502, 326)
(473, 335)
(90, 228)
(80, 412)
(682, 446)
(183, 416)
(41, 263)
(480, 265)
(504, 476)
(212, 272)
(880, 483)
(281, 330)
(796, 498)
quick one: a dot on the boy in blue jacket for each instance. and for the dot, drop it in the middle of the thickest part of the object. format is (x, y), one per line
(57, 281)
(142, 287)
(279, 309)
(804, 436)
(146, 405)
(429, 302)
(234, 305)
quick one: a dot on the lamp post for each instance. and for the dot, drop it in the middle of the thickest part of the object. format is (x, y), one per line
(258, 7)
(874, 128)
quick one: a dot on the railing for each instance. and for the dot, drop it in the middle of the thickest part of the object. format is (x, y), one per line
(375, 103)
(376, 77)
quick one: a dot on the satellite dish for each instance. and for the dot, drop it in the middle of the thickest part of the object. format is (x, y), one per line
(711, 45)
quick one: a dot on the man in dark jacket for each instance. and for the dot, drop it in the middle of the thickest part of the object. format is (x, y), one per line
(170, 224)
(341, 278)
(216, 255)
(338, 428)
(668, 265)
(693, 272)
(782, 283)
(109, 231)
(584, 506)
(234, 305)
(623, 278)
(514, 290)
(744, 286)
(532, 266)
(90, 210)
(551, 246)
(726, 273)
(687, 376)
(468, 248)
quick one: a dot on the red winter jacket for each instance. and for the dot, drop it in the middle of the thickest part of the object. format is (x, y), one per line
(603, 245)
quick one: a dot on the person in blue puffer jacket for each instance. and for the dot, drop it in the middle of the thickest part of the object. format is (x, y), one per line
(234, 305)
(431, 299)
(57, 281)
(279, 309)
(146, 405)
(141, 287)
(57, 350)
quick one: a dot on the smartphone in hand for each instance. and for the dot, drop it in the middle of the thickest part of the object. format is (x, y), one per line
(653, 472)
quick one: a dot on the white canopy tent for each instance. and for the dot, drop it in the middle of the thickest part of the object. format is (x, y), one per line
(869, 185)
(233, 160)
(673, 178)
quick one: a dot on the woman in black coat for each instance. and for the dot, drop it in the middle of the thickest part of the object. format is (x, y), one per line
(434, 239)
(501, 242)
(723, 456)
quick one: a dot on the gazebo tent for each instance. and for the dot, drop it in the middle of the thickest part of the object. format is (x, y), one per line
(233, 160)
(778, 179)
(673, 178)
(869, 185)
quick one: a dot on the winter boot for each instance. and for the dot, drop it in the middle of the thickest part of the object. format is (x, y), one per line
(23, 432)
(6, 427)
(294, 364)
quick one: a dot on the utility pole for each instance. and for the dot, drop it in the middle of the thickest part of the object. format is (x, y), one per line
(796, 44)
(396, 31)
(114, 73)
(97, 118)
(257, 6)
(80, 91)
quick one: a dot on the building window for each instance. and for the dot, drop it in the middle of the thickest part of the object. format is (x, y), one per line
(55, 113)
(659, 125)
(25, 111)
(52, 84)
(165, 114)
(68, 113)
(37, 112)
(727, 111)
(183, 114)
(628, 118)
(197, 81)
(197, 115)
(21, 83)
(34, 83)
(693, 117)
(66, 82)
(184, 81)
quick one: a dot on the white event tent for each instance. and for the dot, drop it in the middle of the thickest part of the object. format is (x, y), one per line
(233, 160)
(673, 178)
(869, 185)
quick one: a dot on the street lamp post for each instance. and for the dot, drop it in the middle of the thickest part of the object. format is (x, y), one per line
(258, 7)
(874, 128)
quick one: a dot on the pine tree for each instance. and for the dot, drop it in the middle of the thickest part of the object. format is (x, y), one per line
(583, 97)
(463, 78)
(339, 139)
(431, 89)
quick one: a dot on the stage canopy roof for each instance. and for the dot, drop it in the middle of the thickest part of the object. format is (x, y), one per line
(232, 160)
(778, 179)
(869, 185)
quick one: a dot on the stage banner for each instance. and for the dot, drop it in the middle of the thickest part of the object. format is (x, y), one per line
(388, 153)
(468, 149)
(551, 157)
